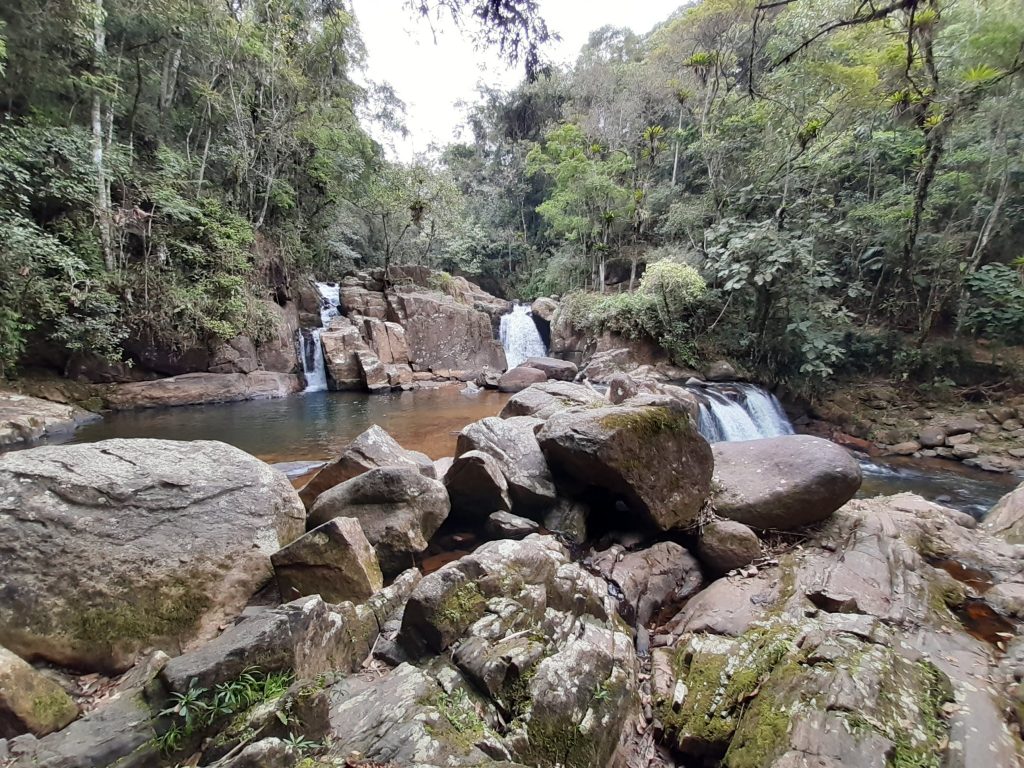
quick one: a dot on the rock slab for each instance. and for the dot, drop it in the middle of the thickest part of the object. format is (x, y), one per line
(334, 560)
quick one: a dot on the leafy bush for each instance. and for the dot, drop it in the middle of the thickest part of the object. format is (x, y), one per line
(678, 287)
(997, 302)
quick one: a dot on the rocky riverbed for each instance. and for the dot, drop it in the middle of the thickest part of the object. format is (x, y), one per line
(644, 600)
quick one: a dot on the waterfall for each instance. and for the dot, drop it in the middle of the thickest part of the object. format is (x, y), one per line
(737, 411)
(520, 337)
(309, 339)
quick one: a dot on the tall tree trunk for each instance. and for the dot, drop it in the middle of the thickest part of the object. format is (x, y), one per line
(675, 159)
(102, 190)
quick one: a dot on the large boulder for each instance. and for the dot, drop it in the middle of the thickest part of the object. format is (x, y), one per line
(1006, 518)
(476, 487)
(520, 378)
(782, 482)
(544, 308)
(553, 368)
(544, 399)
(442, 333)
(113, 546)
(334, 560)
(30, 702)
(197, 388)
(513, 444)
(372, 448)
(652, 457)
(24, 418)
(341, 344)
(398, 508)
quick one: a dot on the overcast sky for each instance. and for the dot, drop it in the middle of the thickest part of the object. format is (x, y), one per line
(432, 69)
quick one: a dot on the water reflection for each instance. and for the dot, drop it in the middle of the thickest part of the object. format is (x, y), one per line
(311, 426)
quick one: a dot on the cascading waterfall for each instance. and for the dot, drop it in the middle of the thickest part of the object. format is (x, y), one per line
(738, 411)
(309, 339)
(520, 337)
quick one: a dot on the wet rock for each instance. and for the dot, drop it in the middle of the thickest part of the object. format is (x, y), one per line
(543, 400)
(24, 418)
(30, 702)
(932, 437)
(372, 448)
(726, 545)
(520, 378)
(544, 308)
(568, 518)
(476, 487)
(513, 444)
(652, 457)
(334, 560)
(649, 579)
(197, 388)
(553, 368)
(504, 525)
(112, 546)
(398, 508)
(720, 370)
(782, 482)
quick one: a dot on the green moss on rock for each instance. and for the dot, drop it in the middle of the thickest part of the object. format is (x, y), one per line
(650, 422)
(462, 607)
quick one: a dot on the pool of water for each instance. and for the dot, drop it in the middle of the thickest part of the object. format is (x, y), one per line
(949, 483)
(311, 426)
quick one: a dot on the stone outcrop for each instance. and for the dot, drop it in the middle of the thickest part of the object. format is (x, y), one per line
(544, 308)
(652, 457)
(782, 482)
(334, 560)
(197, 388)
(24, 419)
(113, 546)
(30, 702)
(513, 444)
(398, 508)
(372, 448)
(544, 400)
(649, 579)
(341, 344)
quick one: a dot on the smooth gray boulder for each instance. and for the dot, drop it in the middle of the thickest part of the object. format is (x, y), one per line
(398, 508)
(782, 483)
(334, 560)
(520, 378)
(513, 444)
(110, 547)
(543, 400)
(652, 457)
(726, 545)
(553, 368)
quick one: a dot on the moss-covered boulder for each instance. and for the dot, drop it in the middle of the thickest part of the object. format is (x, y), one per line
(653, 458)
(30, 702)
(114, 546)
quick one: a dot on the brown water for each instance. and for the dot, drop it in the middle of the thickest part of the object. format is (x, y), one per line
(310, 427)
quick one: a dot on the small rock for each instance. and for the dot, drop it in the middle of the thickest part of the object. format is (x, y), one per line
(964, 424)
(334, 561)
(962, 439)
(505, 525)
(908, 448)
(1012, 425)
(30, 702)
(966, 451)
(932, 437)
(726, 545)
(1002, 413)
(621, 387)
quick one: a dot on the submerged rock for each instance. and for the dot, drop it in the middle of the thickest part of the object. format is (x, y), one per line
(398, 508)
(372, 448)
(782, 482)
(653, 457)
(334, 560)
(113, 546)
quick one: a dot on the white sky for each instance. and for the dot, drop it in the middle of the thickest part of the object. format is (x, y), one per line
(430, 75)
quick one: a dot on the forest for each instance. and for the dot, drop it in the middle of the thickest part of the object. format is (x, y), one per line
(814, 188)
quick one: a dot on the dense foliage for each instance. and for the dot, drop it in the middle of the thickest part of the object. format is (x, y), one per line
(830, 170)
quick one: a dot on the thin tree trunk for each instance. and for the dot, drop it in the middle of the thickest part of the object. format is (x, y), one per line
(102, 191)
(675, 159)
